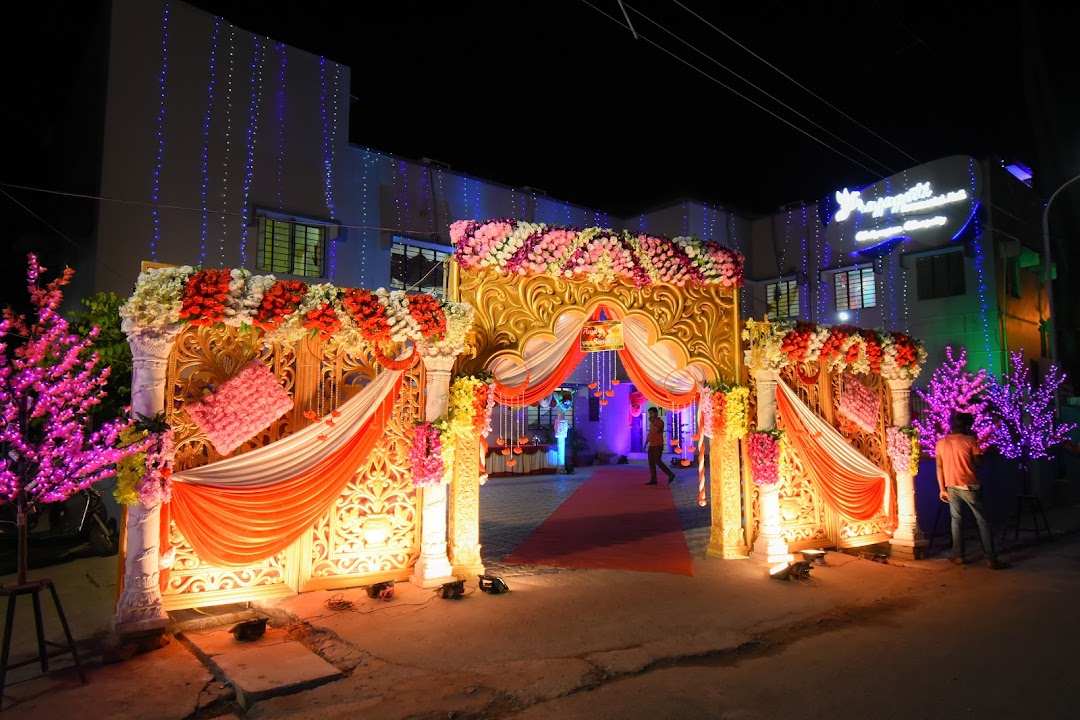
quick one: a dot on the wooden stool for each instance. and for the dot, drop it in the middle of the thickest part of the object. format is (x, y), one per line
(33, 589)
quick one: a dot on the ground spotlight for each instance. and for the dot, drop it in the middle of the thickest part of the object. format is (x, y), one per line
(814, 555)
(452, 590)
(780, 572)
(493, 585)
(382, 590)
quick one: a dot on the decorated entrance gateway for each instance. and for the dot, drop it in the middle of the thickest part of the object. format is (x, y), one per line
(306, 435)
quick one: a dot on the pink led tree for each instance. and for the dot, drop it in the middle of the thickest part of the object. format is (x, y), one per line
(1024, 427)
(952, 389)
(47, 388)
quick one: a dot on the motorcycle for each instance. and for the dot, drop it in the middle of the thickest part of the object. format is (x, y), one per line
(79, 520)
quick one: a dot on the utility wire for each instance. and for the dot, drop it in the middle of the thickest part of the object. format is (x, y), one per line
(798, 84)
(764, 92)
(736, 92)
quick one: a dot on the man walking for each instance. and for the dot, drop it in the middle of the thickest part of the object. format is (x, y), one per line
(957, 454)
(655, 441)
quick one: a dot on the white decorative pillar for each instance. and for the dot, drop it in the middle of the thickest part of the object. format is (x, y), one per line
(433, 568)
(139, 609)
(562, 428)
(769, 544)
(908, 541)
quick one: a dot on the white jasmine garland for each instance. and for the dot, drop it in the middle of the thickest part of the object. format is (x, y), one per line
(154, 306)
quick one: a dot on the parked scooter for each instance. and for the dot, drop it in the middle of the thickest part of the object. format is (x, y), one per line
(64, 526)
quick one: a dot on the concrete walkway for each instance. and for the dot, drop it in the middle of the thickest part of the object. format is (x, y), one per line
(344, 654)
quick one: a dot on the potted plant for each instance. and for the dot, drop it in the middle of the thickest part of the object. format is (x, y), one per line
(577, 449)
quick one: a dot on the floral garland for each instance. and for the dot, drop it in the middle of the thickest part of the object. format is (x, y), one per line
(903, 449)
(524, 248)
(725, 411)
(764, 448)
(471, 405)
(777, 345)
(859, 404)
(145, 477)
(428, 456)
(287, 311)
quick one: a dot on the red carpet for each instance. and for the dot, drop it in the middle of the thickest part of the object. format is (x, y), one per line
(613, 521)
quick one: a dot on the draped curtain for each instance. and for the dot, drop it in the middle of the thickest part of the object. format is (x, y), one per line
(852, 485)
(249, 507)
(652, 368)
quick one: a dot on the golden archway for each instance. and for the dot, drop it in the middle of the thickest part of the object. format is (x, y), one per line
(698, 321)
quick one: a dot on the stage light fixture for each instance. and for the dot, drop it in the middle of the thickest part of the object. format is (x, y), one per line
(492, 585)
(249, 630)
(780, 572)
(814, 555)
(452, 590)
(383, 590)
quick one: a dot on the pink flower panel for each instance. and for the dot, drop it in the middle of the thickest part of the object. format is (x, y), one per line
(242, 406)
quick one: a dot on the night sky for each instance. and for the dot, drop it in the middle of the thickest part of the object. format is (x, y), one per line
(747, 106)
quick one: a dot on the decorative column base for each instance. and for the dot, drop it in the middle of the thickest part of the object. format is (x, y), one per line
(909, 548)
(770, 546)
(433, 568)
(139, 610)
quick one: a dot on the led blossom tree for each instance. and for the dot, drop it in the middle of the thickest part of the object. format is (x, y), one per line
(952, 389)
(1024, 428)
(49, 382)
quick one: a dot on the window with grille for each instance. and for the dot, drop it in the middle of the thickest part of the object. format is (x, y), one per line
(855, 289)
(291, 247)
(940, 276)
(783, 299)
(418, 266)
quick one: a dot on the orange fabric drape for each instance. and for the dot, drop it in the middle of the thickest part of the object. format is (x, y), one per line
(240, 526)
(853, 496)
(530, 395)
(520, 395)
(654, 391)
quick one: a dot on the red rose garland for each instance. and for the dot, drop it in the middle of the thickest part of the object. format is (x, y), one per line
(368, 313)
(280, 301)
(203, 299)
(322, 319)
(428, 313)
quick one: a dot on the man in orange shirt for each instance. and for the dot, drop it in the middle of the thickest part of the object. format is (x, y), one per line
(957, 454)
(655, 442)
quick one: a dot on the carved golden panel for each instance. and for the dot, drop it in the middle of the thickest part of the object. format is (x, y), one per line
(373, 528)
(699, 321)
(806, 520)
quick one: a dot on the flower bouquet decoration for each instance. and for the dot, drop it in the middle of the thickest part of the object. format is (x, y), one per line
(431, 456)
(764, 448)
(145, 477)
(244, 404)
(902, 446)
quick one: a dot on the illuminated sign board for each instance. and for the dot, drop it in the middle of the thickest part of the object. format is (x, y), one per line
(928, 205)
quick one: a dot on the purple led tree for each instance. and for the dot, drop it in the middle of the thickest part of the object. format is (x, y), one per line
(1024, 427)
(47, 388)
(952, 389)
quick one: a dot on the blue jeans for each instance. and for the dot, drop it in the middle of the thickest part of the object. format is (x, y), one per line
(973, 498)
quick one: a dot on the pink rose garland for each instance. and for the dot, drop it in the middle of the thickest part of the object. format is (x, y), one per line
(764, 451)
(425, 456)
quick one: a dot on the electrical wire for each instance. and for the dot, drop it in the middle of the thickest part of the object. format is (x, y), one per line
(736, 92)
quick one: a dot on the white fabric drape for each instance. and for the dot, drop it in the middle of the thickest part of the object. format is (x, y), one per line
(852, 464)
(542, 356)
(658, 361)
(290, 456)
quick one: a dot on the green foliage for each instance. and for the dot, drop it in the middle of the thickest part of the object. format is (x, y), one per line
(102, 310)
(576, 442)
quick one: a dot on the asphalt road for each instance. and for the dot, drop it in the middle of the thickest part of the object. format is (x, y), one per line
(974, 643)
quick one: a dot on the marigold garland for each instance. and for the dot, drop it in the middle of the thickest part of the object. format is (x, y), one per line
(145, 477)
